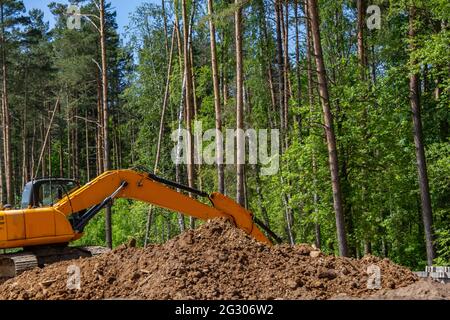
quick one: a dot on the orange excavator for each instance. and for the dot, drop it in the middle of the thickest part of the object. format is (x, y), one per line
(55, 211)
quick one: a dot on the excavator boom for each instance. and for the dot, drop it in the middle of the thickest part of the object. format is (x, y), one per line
(144, 187)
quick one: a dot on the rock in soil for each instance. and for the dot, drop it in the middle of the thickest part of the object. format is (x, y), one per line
(215, 261)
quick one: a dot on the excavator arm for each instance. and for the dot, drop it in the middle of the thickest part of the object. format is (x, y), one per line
(153, 190)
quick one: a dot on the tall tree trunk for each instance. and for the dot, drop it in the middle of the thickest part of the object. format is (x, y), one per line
(189, 99)
(61, 142)
(280, 62)
(45, 137)
(181, 109)
(224, 70)
(115, 146)
(33, 148)
(414, 86)
(318, 237)
(25, 148)
(72, 145)
(217, 106)
(41, 159)
(240, 145)
(288, 214)
(150, 219)
(283, 96)
(297, 65)
(76, 146)
(49, 153)
(373, 65)
(367, 247)
(309, 62)
(69, 137)
(287, 96)
(261, 197)
(328, 119)
(178, 169)
(179, 44)
(195, 110)
(5, 115)
(99, 127)
(86, 128)
(1, 183)
(286, 93)
(161, 133)
(362, 57)
(267, 63)
(364, 72)
(166, 36)
(194, 88)
(179, 142)
(164, 105)
(106, 147)
(24, 144)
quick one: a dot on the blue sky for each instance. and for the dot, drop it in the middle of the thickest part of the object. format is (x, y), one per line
(123, 8)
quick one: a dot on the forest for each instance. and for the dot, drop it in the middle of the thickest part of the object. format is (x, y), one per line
(357, 89)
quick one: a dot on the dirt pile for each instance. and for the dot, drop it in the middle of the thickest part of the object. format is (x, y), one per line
(215, 261)
(423, 289)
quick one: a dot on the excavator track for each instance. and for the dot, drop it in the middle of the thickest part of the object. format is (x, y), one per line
(13, 264)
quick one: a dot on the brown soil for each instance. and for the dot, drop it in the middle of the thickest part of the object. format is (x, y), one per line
(215, 261)
(423, 289)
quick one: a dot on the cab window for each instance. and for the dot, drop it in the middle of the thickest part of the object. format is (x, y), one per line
(51, 192)
(26, 195)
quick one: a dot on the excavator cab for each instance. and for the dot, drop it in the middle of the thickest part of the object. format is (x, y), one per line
(45, 192)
